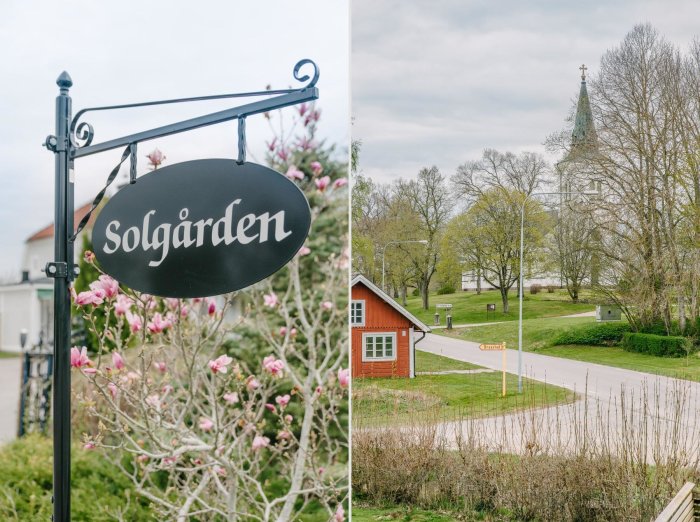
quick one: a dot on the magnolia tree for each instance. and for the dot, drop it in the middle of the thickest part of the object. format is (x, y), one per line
(202, 429)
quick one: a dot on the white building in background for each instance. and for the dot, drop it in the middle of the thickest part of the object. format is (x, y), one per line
(28, 304)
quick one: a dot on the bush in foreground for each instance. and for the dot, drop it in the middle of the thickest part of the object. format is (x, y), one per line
(659, 345)
(593, 334)
(100, 492)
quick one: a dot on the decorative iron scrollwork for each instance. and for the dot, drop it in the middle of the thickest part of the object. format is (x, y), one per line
(82, 135)
(304, 78)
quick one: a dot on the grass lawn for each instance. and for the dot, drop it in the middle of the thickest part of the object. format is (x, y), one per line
(467, 307)
(9, 355)
(679, 367)
(435, 398)
(430, 362)
(537, 333)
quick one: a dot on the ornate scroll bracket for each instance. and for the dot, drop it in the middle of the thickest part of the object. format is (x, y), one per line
(82, 133)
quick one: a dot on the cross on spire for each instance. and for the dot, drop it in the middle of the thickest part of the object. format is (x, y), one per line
(583, 69)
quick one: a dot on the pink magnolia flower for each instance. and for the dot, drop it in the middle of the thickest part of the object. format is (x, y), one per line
(302, 109)
(288, 419)
(155, 158)
(89, 297)
(271, 145)
(283, 331)
(220, 364)
(158, 324)
(284, 435)
(171, 319)
(327, 305)
(219, 471)
(304, 143)
(294, 173)
(304, 251)
(108, 285)
(252, 383)
(89, 445)
(312, 117)
(260, 442)
(271, 407)
(89, 371)
(184, 311)
(339, 514)
(321, 470)
(117, 361)
(271, 299)
(205, 424)
(272, 365)
(340, 182)
(135, 322)
(316, 168)
(79, 357)
(154, 401)
(89, 256)
(169, 460)
(172, 302)
(282, 400)
(344, 377)
(293, 332)
(322, 183)
(113, 390)
(123, 304)
(160, 366)
(283, 153)
(212, 307)
(196, 300)
(319, 390)
(231, 397)
(142, 458)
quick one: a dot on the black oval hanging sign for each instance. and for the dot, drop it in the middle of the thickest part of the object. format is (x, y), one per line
(201, 228)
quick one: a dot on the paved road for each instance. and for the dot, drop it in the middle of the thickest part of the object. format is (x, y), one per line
(9, 397)
(618, 407)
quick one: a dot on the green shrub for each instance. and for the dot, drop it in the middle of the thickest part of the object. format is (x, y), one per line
(99, 489)
(659, 345)
(446, 289)
(593, 334)
(415, 292)
(535, 289)
(550, 289)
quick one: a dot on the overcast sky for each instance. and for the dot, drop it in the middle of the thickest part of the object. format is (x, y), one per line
(131, 51)
(435, 82)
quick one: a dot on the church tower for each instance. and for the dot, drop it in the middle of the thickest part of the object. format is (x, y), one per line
(574, 170)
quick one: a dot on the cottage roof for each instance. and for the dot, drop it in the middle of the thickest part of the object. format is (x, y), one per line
(358, 278)
(79, 214)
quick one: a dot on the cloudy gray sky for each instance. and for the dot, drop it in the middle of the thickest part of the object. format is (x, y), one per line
(435, 82)
(130, 51)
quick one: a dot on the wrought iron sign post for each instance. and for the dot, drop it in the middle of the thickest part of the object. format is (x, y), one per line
(73, 139)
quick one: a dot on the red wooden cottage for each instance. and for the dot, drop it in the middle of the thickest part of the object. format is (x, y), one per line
(384, 333)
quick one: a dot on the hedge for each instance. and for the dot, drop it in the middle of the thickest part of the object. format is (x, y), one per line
(99, 488)
(593, 334)
(659, 345)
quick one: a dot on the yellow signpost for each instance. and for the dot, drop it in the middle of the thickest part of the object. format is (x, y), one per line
(502, 348)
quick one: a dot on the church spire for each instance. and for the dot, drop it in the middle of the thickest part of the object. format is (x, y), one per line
(583, 138)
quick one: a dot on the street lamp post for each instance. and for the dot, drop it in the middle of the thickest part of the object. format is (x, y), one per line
(422, 241)
(520, 276)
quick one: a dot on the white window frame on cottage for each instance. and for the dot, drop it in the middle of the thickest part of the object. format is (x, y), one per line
(373, 336)
(360, 302)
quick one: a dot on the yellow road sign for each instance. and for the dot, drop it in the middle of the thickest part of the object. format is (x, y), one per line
(498, 347)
